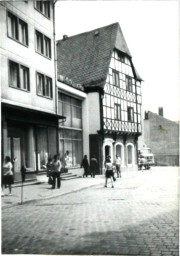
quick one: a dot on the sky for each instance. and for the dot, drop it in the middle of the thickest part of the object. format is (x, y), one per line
(151, 31)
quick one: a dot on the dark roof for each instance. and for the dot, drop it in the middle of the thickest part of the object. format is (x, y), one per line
(85, 57)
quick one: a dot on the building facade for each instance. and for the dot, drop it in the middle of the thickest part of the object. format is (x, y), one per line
(162, 136)
(28, 84)
(100, 61)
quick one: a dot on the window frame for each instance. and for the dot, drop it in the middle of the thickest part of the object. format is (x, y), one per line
(44, 84)
(19, 66)
(129, 87)
(17, 24)
(72, 108)
(44, 39)
(43, 12)
(117, 112)
(115, 73)
(129, 109)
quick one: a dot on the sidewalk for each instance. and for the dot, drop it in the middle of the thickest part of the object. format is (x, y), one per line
(44, 191)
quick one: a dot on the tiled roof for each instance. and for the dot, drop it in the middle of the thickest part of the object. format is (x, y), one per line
(85, 57)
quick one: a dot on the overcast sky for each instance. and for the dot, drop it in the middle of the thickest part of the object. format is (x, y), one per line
(150, 29)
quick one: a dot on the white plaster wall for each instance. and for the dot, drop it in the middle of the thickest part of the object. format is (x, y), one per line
(10, 49)
(94, 112)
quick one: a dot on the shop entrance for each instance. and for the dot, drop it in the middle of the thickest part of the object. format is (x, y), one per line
(14, 141)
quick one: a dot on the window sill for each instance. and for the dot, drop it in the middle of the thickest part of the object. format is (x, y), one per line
(49, 18)
(28, 91)
(26, 45)
(49, 58)
(45, 97)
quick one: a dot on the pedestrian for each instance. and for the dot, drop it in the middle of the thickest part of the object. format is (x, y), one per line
(118, 166)
(109, 171)
(49, 169)
(85, 165)
(93, 166)
(8, 178)
(56, 172)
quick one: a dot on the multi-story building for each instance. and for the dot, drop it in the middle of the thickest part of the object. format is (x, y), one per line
(28, 84)
(101, 61)
(162, 136)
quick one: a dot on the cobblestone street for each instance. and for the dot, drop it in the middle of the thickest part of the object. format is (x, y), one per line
(137, 217)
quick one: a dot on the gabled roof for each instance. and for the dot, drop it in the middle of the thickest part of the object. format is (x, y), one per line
(85, 57)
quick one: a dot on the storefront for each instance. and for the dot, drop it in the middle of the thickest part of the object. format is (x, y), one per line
(70, 131)
(29, 137)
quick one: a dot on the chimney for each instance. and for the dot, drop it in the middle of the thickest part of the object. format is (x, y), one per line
(65, 37)
(160, 111)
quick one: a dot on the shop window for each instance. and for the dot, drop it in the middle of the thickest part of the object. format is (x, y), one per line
(43, 44)
(71, 147)
(43, 7)
(18, 76)
(42, 145)
(128, 83)
(17, 29)
(44, 85)
(130, 113)
(115, 78)
(117, 111)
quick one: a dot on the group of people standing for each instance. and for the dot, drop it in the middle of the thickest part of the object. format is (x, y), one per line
(109, 166)
(89, 169)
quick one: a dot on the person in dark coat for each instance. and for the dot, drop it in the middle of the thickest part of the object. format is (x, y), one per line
(93, 166)
(85, 165)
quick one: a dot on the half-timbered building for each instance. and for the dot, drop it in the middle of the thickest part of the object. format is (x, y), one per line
(101, 61)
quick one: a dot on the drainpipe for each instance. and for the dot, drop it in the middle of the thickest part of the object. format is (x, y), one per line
(55, 73)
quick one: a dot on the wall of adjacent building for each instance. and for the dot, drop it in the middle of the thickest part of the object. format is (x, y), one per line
(94, 112)
(162, 136)
(26, 55)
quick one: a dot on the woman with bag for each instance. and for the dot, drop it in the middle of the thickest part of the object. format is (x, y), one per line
(109, 171)
(8, 178)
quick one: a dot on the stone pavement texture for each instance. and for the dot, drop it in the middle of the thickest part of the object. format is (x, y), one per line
(138, 217)
(44, 191)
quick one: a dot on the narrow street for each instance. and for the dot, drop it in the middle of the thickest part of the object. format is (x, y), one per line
(137, 217)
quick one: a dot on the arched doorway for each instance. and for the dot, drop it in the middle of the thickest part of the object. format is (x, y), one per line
(107, 151)
(130, 154)
(119, 150)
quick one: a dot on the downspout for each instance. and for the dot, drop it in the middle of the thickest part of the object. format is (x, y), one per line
(137, 124)
(101, 94)
(55, 74)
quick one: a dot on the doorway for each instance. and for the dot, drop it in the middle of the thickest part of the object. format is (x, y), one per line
(107, 151)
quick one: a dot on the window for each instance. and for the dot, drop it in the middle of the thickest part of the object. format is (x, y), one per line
(121, 57)
(44, 85)
(43, 44)
(72, 109)
(130, 114)
(117, 111)
(18, 76)
(43, 7)
(115, 78)
(71, 147)
(17, 29)
(128, 83)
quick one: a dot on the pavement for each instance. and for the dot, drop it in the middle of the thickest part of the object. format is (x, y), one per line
(42, 190)
(139, 216)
